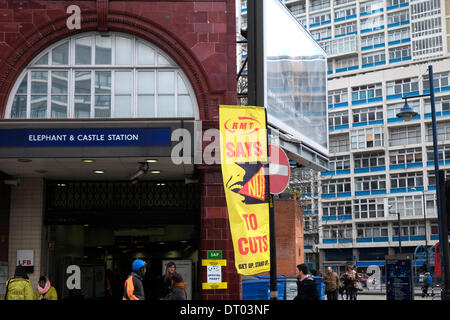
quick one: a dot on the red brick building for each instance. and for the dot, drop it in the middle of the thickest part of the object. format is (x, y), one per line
(119, 69)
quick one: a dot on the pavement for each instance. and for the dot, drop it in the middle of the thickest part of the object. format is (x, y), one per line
(380, 294)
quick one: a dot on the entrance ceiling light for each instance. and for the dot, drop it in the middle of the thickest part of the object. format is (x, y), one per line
(151, 160)
(99, 171)
(88, 160)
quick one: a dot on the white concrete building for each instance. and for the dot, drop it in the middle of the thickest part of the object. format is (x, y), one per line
(378, 52)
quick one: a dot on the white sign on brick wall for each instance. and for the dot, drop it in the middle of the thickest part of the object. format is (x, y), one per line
(25, 257)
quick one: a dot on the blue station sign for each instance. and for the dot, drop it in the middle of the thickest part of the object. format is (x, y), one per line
(85, 137)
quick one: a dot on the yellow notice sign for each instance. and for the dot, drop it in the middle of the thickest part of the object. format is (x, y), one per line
(243, 145)
(214, 285)
(214, 262)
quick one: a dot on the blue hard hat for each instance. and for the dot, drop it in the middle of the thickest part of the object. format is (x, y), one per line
(138, 263)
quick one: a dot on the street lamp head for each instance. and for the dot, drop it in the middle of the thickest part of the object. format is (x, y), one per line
(406, 113)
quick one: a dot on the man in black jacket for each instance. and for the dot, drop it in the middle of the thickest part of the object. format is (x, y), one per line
(306, 286)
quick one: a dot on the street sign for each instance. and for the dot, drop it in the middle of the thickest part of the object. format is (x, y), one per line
(279, 169)
(214, 254)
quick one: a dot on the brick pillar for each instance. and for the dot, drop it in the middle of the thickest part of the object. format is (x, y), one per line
(215, 233)
(26, 224)
(289, 236)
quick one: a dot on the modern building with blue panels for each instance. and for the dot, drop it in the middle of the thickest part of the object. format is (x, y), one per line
(378, 52)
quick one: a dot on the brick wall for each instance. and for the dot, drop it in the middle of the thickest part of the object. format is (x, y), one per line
(26, 224)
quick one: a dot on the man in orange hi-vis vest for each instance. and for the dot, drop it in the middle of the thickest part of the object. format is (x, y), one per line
(134, 288)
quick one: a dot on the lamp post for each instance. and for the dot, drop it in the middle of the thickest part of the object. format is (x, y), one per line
(406, 113)
(425, 224)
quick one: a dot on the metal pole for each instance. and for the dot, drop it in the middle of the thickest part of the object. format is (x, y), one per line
(399, 234)
(273, 251)
(425, 226)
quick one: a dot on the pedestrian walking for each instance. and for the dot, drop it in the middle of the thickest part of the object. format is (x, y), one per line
(166, 280)
(306, 285)
(177, 289)
(332, 283)
(427, 282)
(350, 279)
(45, 291)
(19, 287)
(134, 288)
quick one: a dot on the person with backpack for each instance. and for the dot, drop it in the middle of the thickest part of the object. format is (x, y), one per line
(19, 287)
(134, 287)
(427, 282)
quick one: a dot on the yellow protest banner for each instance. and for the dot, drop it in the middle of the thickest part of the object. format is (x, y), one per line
(244, 161)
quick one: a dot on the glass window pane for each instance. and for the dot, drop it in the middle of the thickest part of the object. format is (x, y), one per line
(122, 107)
(60, 55)
(146, 55)
(181, 86)
(102, 81)
(185, 107)
(82, 82)
(23, 85)
(59, 82)
(83, 50)
(59, 106)
(146, 107)
(166, 82)
(123, 82)
(43, 60)
(123, 51)
(19, 107)
(38, 107)
(162, 61)
(102, 50)
(82, 107)
(39, 82)
(102, 107)
(146, 82)
(166, 107)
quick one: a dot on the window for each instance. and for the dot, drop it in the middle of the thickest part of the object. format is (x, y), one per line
(443, 153)
(406, 180)
(368, 208)
(397, 18)
(373, 23)
(426, 27)
(319, 4)
(431, 177)
(373, 59)
(336, 119)
(345, 64)
(404, 135)
(442, 130)
(338, 2)
(394, 109)
(440, 80)
(336, 209)
(98, 76)
(339, 143)
(392, 3)
(367, 114)
(366, 138)
(401, 87)
(343, 232)
(372, 40)
(297, 8)
(406, 206)
(441, 104)
(399, 53)
(343, 13)
(410, 229)
(321, 34)
(371, 7)
(339, 163)
(398, 35)
(425, 9)
(366, 93)
(369, 160)
(370, 183)
(337, 96)
(319, 18)
(345, 28)
(340, 45)
(427, 46)
(336, 186)
(405, 156)
(372, 230)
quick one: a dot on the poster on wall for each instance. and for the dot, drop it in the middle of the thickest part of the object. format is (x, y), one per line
(25, 257)
(244, 161)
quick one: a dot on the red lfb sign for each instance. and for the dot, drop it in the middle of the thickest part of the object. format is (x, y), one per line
(279, 169)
